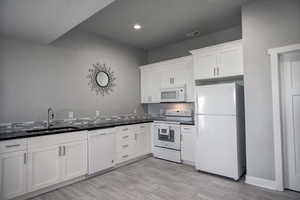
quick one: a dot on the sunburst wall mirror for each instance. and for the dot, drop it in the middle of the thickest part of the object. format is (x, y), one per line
(101, 79)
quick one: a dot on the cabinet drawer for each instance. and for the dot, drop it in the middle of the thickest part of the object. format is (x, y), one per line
(143, 126)
(126, 146)
(187, 128)
(13, 145)
(46, 141)
(123, 156)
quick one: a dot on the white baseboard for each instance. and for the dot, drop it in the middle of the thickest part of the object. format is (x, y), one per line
(260, 182)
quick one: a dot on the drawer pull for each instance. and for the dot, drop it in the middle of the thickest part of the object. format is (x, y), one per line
(125, 156)
(59, 151)
(125, 129)
(13, 145)
(25, 158)
(125, 146)
(186, 129)
(126, 136)
(142, 126)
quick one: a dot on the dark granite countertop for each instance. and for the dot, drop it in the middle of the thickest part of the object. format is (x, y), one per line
(16, 134)
(10, 134)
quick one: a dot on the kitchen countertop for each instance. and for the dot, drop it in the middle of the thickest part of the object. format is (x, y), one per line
(16, 134)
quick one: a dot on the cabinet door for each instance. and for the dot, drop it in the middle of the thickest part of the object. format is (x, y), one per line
(150, 84)
(44, 166)
(101, 151)
(145, 91)
(142, 140)
(231, 62)
(188, 137)
(205, 65)
(74, 160)
(12, 174)
(125, 143)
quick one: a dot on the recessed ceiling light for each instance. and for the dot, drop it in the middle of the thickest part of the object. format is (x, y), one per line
(137, 27)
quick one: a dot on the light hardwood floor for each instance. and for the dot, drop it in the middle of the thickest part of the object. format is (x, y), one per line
(154, 179)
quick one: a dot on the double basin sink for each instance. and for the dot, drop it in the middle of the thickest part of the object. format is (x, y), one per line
(52, 130)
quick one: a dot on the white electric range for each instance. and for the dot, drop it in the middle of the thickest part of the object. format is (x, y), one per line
(167, 134)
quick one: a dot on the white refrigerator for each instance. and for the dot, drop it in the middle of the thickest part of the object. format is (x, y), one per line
(220, 141)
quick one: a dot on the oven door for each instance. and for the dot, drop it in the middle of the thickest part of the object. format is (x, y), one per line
(167, 136)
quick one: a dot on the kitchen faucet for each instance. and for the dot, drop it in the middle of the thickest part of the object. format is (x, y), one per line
(50, 117)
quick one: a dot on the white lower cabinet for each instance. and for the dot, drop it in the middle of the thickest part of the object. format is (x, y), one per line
(124, 143)
(27, 165)
(13, 174)
(132, 141)
(142, 140)
(56, 158)
(74, 160)
(44, 166)
(188, 138)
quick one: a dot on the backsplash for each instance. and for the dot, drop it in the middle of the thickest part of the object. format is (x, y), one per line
(159, 108)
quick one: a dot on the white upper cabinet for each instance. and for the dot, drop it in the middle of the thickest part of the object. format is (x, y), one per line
(167, 74)
(150, 84)
(220, 61)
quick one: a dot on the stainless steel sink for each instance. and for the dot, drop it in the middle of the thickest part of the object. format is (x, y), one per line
(52, 130)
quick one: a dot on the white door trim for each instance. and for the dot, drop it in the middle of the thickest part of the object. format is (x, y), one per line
(277, 121)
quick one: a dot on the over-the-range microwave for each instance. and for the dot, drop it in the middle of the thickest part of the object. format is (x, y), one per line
(175, 94)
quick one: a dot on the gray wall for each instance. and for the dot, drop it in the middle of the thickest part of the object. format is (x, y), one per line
(182, 48)
(34, 77)
(265, 24)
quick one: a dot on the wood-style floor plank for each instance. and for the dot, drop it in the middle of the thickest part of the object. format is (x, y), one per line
(154, 179)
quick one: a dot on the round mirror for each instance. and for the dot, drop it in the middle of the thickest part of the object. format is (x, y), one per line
(102, 79)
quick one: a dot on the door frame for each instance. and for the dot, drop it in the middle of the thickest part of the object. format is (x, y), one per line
(277, 111)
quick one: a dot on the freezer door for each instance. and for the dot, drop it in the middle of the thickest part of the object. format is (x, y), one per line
(217, 99)
(216, 146)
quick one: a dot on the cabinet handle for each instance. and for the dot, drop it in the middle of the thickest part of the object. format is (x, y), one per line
(13, 145)
(126, 136)
(172, 80)
(64, 148)
(59, 151)
(125, 156)
(214, 71)
(25, 158)
(142, 126)
(217, 70)
(125, 146)
(125, 129)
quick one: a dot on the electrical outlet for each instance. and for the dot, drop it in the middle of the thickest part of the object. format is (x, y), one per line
(97, 113)
(71, 115)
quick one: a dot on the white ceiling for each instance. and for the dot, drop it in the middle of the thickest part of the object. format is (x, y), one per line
(163, 21)
(44, 21)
